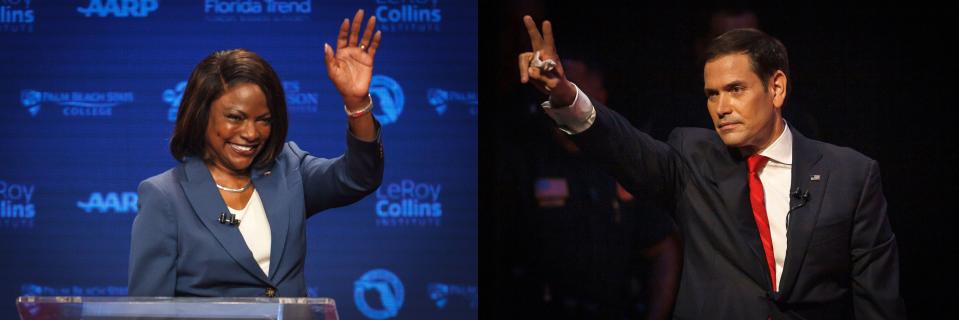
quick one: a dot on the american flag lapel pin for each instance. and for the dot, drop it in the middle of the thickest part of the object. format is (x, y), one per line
(815, 177)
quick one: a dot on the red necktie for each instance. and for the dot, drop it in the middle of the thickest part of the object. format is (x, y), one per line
(757, 198)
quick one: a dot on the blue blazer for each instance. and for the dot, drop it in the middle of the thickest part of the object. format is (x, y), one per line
(178, 247)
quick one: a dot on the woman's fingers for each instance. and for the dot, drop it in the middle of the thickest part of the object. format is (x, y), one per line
(328, 55)
(368, 33)
(375, 44)
(341, 37)
(355, 29)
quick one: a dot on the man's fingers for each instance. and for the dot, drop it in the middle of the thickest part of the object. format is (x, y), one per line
(548, 34)
(534, 73)
(524, 59)
(534, 36)
(355, 29)
(543, 45)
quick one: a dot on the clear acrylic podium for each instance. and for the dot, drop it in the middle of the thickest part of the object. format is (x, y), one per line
(155, 308)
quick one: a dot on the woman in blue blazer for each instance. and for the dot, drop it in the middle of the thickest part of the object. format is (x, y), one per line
(230, 220)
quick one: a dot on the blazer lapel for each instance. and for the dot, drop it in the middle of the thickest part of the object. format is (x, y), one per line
(806, 196)
(734, 191)
(207, 205)
(272, 191)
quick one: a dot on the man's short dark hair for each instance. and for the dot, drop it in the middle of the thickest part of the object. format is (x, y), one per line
(766, 53)
(212, 77)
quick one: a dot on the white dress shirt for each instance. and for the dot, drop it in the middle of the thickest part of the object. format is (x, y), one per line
(776, 176)
(255, 229)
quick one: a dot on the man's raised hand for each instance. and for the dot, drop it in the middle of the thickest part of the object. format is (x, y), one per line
(550, 80)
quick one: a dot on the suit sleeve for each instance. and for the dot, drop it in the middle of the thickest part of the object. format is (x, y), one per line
(875, 256)
(642, 165)
(153, 245)
(330, 183)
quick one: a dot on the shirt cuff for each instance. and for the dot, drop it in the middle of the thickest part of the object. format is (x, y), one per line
(574, 118)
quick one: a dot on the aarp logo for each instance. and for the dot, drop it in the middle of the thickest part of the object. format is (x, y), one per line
(106, 202)
(389, 289)
(119, 8)
(387, 94)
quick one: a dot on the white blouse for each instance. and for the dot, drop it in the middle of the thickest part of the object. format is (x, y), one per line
(255, 229)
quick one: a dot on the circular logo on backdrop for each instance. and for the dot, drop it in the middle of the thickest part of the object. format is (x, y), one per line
(389, 96)
(385, 285)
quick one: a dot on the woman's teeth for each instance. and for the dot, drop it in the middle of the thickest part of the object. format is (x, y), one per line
(241, 148)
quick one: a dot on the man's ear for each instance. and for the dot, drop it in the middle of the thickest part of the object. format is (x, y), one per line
(777, 88)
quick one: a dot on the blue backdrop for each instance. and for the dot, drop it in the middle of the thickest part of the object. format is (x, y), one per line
(89, 89)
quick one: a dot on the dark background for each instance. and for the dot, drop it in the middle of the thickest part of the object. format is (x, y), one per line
(877, 78)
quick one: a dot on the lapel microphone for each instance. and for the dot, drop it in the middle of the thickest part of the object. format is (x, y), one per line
(801, 197)
(228, 218)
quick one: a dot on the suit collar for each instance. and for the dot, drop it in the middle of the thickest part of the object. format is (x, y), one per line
(733, 187)
(208, 204)
(273, 191)
(732, 184)
(809, 177)
(781, 150)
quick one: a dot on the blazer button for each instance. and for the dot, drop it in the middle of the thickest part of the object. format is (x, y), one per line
(267, 173)
(270, 292)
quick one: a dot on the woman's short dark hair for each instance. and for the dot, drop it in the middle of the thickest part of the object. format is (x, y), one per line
(210, 79)
(766, 53)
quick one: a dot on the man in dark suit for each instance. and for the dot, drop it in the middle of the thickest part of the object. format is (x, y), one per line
(762, 236)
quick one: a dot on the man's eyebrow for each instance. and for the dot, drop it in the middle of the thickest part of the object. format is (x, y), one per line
(726, 87)
(736, 83)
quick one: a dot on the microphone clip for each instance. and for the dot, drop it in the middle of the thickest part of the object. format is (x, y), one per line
(802, 196)
(228, 218)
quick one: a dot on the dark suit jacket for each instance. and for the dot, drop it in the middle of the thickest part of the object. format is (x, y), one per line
(179, 248)
(841, 262)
